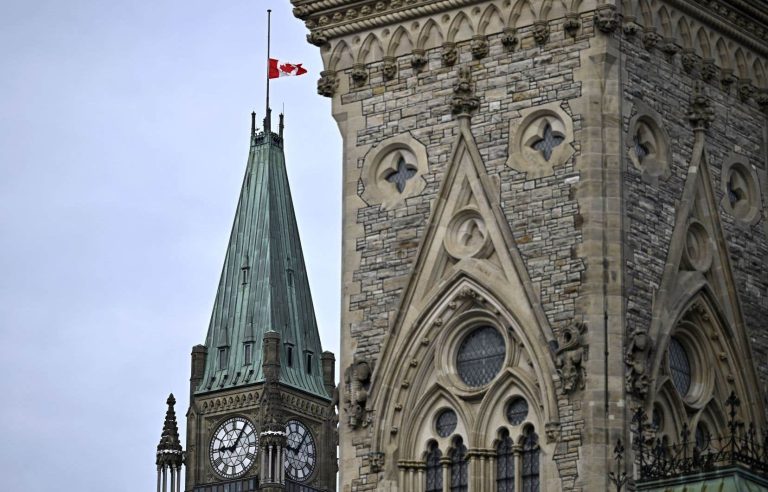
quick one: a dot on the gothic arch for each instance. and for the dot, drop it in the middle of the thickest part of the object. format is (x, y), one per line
(370, 50)
(400, 44)
(723, 54)
(491, 18)
(341, 57)
(665, 23)
(522, 14)
(427, 39)
(460, 29)
(419, 429)
(646, 14)
(702, 37)
(546, 7)
(742, 68)
(760, 74)
(684, 33)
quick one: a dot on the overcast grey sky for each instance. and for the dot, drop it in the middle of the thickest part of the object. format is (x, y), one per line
(123, 141)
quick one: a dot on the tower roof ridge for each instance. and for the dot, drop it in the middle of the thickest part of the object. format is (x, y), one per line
(264, 284)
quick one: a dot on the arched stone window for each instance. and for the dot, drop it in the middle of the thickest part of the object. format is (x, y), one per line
(648, 144)
(505, 463)
(530, 472)
(741, 189)
(434, 469)
(459, 466)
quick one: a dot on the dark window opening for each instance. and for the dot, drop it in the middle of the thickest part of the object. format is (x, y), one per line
(434, 469)
(289, 355)
(222, 358)
(309, 362)
(248, 353)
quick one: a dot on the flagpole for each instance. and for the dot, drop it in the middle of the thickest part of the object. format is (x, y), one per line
(269, 33)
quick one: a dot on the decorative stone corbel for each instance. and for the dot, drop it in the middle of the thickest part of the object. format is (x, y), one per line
(669, 46)
(464, 102)
(327, 83)
(700, 112)
(418, 59)
(762, 100)
(726, 79)
(708, 69)
(570, 357)
(540, 32)
(450, 55)
(572, 23)
(479, 47)
(606, 18)
(509, 38)
(359, 75)
(552, 431)
(376, 461)
(630, 28)
(635, 358)
(689, 60)
(650, 38)
(389, 68)
(357, 379)
(318, 38)
(745, 89)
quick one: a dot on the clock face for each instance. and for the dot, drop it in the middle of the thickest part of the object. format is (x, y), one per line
(300, 451)
(233, 447)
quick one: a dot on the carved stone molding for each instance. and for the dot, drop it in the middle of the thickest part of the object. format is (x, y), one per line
(357, 380)
(359, 75)
(650, 38)
(629, 27)
(689, 60)
(418, 59)
(464, 101)
(745, 89)
(762, 100)
(708, 69)
(606, 18)
(552, 431)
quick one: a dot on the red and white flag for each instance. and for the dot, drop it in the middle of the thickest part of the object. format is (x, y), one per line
(283, 69)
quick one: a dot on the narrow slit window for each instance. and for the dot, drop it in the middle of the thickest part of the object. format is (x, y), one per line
(248, 354)
(222, 358)
(289, 355)
(309, 362)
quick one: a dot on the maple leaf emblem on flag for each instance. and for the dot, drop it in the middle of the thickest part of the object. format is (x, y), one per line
(284, 69)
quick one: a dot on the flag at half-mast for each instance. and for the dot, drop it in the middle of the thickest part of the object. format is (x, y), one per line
(284, 69)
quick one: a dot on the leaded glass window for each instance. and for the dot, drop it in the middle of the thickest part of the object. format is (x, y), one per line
(459, 466)
(548, 142)
(434, 470)
(517, 411)
(530, 472)
(679, 366)
(505, 464)
(446, 422)
(481, 356)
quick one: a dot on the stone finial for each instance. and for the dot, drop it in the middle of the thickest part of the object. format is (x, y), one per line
(570, 356)
(450, 55)
(327, 83)
(509, 38)
(169, 451)
(540, 32)
(464, 102)
(606, 18)
(389, 68)
(479, 47)
(359, 75)
(700, 112)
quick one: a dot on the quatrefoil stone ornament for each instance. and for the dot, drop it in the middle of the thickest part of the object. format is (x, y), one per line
(540, 140)
(403, 173)
(547, 143)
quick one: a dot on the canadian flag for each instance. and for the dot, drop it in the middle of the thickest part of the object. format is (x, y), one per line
(283, 69)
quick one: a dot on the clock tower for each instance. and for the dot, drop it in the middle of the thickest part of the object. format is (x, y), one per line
(261, 414)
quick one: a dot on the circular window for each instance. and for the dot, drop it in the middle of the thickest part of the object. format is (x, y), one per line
(741, 190)
(445, 423)
(481, 356)
(517, 411)
(679, 366)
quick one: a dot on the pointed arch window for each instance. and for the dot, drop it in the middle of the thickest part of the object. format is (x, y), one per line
(459, 466)
(530, 472)
(505, 463)
(434, 469)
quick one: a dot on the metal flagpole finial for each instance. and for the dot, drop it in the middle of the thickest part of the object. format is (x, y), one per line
(269, 35)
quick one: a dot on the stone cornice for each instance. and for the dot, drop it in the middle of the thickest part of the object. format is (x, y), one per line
(729, 18)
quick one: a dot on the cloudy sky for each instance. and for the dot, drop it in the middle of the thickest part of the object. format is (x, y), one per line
(123, 141)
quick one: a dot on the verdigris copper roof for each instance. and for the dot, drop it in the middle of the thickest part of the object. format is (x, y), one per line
(264, 284)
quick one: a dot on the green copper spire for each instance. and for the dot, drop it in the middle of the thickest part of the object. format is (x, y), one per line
(264, 283)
